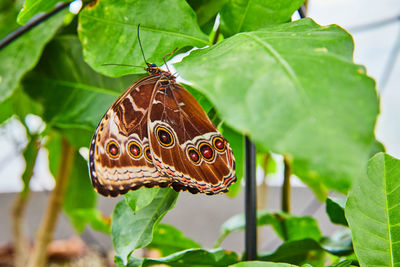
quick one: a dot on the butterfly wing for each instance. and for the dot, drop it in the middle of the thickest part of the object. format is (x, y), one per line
(120, 158)
(186, 145)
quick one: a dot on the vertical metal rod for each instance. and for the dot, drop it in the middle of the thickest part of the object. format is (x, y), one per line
(250, 201)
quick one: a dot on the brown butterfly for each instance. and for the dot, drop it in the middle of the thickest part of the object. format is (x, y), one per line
(157, 134)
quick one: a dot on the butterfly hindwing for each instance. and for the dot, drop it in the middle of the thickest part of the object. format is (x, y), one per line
(120, 156)
(186, 145)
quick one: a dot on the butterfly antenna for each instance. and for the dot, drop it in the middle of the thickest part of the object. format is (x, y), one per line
(124, 65)
(140, 44)
(165, 62)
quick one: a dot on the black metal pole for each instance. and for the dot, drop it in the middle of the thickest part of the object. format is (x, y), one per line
(250, 201)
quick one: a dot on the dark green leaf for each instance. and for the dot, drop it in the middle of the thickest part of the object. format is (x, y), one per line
(22, 54)
(250, 15)
(373, 213)
(192, 257)
(112, 26)
(74, 96)
(335, 210)
(34, 7)
(130, 231)
(295, 252)
(300, 95)
(168, 240)
(286, 226)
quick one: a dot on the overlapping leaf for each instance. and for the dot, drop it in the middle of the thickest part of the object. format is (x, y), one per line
(373, 213)
(108, 32)
(295, 90)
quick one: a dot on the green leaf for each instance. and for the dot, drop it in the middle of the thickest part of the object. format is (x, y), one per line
(130, 231)
(21, 55)
(191, 257)
(300, 95)
(261, 264)
(168, 240)
(74, 96)
(373, 213)
(286, 226)
(141, 198)
(294, 252)
(335, 210)
(34, 7)
(30, 155)
(112, 26)
(245, 15)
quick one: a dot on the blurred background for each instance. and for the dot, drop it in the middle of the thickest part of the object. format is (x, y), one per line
(375, 27)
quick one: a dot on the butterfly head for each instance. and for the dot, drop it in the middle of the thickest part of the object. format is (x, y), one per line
(152, 68)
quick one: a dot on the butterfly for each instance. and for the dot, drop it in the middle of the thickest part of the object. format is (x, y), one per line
(157, 134)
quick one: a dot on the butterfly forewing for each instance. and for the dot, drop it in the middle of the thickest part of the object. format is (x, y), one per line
(186, 145)
(120, 155)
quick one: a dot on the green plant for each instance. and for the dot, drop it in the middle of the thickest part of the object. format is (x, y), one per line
(292, 87)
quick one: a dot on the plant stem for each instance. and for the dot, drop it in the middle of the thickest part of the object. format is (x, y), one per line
(21, 245)
(286, 185)
(45, 232)
(262, 189)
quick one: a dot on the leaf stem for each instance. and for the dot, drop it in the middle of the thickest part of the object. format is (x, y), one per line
(49, 220)
(286, 185)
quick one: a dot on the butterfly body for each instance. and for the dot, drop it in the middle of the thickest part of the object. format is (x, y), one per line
(156, 134)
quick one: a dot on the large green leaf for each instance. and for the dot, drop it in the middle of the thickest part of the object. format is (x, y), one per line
(373, 213)
(34, 7)
(286, 226)
(21, 55)
(191, 257)
(130, 231)
(74, 96)
(245, 15)
(108, 32)
(294, 89)
(168, 240)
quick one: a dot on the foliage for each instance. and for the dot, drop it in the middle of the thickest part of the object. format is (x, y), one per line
(292, 87)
